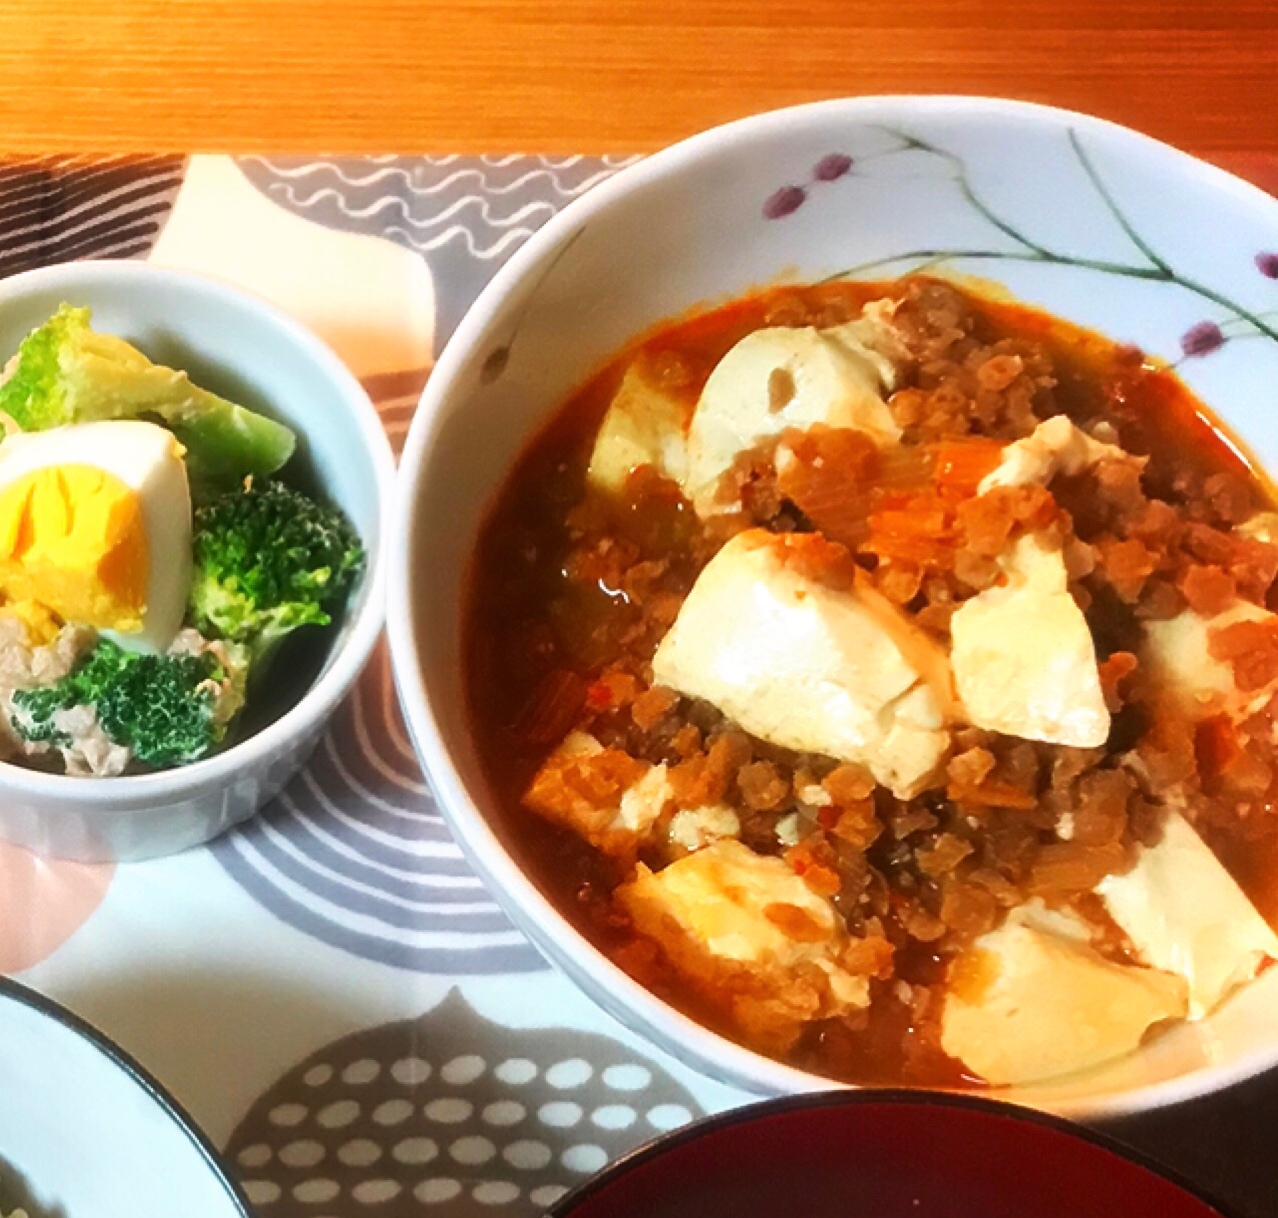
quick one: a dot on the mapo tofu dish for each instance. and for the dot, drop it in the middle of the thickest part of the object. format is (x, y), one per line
(887, 676)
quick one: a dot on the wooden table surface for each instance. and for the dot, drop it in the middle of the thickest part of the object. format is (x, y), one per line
(602, 75)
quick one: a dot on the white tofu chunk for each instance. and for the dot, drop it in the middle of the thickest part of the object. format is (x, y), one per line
(1023, 656)
(644, 425)
(1056, 446)
(1033, 1001)
(643, 803)
(810, 668)
(815, 795)
(1185, 914)
(1177, 651)
(579, 744)
(694, 828)
(783, 377)
(790, 830)
(875, 337)
(566, 790)
(727, 906)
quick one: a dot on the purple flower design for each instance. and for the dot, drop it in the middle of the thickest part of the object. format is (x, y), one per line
(831, 168)
(1267, 264)
(1202, 339)
(786, 200)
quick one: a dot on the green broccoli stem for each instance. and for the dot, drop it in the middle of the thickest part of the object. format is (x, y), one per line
(225, 442)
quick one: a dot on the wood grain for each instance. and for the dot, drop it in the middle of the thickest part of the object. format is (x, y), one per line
(601, 75)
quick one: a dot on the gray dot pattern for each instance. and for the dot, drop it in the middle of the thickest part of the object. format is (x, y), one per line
(449, 1115)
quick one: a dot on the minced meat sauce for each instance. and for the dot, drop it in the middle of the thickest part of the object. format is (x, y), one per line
(574, 588)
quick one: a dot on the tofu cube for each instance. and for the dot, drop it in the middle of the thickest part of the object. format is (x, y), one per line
(645, 424)
(1184, 913)
(1177, 651)
(782, 378)
(749, 935)
(1033, 1001)
(1056, 446)
(605, 795)
(808, 667)
(1023, 656)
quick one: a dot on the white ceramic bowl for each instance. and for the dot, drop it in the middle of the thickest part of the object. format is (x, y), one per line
(1088, 220)
(231, 343)
(84, 1130)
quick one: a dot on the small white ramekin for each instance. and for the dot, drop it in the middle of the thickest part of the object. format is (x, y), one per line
(235, 344)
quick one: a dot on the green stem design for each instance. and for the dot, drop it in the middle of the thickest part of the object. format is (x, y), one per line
(934, 257)
(1159, 270)
(1201, 289)
(1267, 315)
(1114, 210)
(968, 191)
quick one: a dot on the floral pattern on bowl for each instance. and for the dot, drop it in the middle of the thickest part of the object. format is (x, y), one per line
(1198, 340)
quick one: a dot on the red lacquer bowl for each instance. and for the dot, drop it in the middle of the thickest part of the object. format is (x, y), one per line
(884, 1155)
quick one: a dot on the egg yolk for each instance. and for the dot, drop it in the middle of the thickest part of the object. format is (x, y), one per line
(72, 538)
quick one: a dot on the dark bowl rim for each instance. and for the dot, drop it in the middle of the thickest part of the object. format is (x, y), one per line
(25, 996)
(567, 1205)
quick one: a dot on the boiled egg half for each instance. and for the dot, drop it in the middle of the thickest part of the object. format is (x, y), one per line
(95, 528)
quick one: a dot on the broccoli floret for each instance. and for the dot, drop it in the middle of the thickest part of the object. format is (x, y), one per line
(269, 559)
(65, 372)
(165, 708)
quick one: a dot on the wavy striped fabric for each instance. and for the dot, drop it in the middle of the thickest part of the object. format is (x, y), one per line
(355, 853)
(57, 208)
